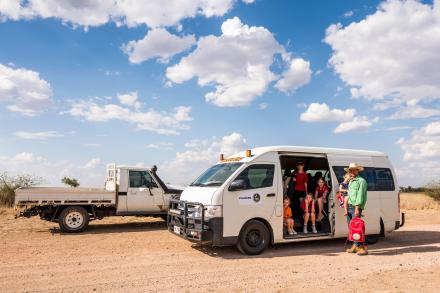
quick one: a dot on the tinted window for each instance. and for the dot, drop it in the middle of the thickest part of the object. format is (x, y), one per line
(141, 179)
(378, 179)
(384, 179)
(258, 176)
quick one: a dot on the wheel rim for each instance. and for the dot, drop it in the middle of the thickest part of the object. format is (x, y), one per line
(254, 238)
(74, 219)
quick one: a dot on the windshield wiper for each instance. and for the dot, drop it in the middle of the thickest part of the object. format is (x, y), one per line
(195, 184)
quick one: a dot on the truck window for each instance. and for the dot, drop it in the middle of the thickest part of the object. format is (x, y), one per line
(141, 179)
(258, 176)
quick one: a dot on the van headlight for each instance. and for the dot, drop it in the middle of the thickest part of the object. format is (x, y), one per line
(213, 212)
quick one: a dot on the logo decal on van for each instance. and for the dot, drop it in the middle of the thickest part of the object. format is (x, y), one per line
(256, 197)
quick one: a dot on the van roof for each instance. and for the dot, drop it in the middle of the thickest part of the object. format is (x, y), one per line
(303, 149)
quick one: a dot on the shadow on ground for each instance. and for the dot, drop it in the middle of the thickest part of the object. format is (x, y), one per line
(117, 228)
(399, 242)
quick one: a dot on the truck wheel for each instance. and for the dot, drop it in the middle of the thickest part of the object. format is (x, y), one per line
(254, 238)
(73, 219)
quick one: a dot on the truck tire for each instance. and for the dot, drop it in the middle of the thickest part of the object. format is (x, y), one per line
(254, 238)
(74, 219)
(372, 239)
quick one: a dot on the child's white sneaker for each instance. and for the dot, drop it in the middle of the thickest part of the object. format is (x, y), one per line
(305, 230)
(294, 232)
(314, 229)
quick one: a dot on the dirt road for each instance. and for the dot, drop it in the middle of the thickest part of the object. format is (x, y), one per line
(139, 254)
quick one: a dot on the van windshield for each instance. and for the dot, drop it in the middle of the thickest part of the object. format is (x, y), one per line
(216, 175)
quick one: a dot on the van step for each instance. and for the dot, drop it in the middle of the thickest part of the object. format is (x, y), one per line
(302, 235)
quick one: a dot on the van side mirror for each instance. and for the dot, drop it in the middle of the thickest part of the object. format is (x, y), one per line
(237, 184)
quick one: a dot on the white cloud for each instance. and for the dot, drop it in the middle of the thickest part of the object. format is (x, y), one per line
(50, 170)
(158, 43)
(297, 75)
(153, 13)
(238, 64)
(129, 99)
(188, 164)
(392, 54)
(263, 106)
(93, 163)
(421, 154)
(358, 123)
(23, 90)
(317, 112)
(348, 14)
(42, 135)
(396, 128)
(348, 120)
(168, 123)
(161, 145)
(414, 112)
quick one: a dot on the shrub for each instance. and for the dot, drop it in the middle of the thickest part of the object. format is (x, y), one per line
(433, 190)
(8, 185)
(72, 182)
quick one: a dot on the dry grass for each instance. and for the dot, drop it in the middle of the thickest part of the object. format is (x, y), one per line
(417, 201)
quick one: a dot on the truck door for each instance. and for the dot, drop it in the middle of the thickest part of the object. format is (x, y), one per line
(144, 195)
(256, 200)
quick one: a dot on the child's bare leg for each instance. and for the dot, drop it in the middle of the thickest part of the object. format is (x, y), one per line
(320, 207)
(312, 217)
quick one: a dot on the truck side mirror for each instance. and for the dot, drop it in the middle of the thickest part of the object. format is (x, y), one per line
(237, 184)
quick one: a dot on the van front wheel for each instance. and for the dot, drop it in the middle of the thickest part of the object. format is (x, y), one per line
(254, 238)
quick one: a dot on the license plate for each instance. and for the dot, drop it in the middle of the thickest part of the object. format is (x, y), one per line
(177, 230)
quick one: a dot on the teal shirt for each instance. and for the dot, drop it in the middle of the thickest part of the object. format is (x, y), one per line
(357, 192)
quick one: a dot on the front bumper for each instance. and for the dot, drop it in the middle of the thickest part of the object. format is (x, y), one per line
(182, 222)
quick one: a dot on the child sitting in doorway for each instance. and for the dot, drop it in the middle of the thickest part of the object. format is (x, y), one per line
(287, 217)
(321, 193)
(308, 206)
(343, 189)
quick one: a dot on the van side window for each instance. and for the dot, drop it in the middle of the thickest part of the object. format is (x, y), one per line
(258, 176)
(141, 179)
(378, 179)
(384, 179)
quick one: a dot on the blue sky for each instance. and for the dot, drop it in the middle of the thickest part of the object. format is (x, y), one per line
(73, 97)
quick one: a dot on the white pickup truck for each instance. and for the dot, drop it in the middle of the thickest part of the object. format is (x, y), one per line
(129, 191)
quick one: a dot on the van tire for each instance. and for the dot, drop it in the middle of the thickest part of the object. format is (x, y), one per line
(74, 219)
(254, 238)
(372, 239)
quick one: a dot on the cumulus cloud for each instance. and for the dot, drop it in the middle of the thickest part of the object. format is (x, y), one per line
(158, 43)
(297, 75)
(153, 13)
(391, 55)
(130, 99)
(51, 170)
(347, 118)
(421, 155)
(160, 145)
(414, 112)
(199, 155)
(24, 91)
(93, 163)
(42, 135)
(238, 64)
(168, 123)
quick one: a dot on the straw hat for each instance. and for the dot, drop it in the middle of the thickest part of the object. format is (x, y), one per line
(354, 166)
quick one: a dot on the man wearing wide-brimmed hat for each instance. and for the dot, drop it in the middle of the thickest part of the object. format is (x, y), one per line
(357, 198)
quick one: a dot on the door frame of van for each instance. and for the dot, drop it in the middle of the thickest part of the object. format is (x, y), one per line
(330, 197)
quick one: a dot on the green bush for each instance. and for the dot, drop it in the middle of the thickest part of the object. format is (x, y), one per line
(433, 190)
(72, 182)
(8, 185)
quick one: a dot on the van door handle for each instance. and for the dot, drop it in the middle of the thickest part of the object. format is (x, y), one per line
(270, 195)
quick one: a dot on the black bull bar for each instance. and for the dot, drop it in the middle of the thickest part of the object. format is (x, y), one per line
(183, 221)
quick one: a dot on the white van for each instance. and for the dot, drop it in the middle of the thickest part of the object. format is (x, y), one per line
(239, 200)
